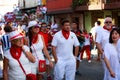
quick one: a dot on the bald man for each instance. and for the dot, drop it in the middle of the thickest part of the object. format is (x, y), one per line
(102, 39)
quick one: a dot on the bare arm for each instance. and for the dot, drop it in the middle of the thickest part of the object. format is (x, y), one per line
(99, 47)
(109, 68)
(54, 53)
(28, 54)
(46, 52)
(76, 51)
(5, 68)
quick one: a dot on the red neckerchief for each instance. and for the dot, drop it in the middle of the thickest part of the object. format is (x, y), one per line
(16, 52)
(35, 38)
(107, 28)
(65, 34)
(76, 32)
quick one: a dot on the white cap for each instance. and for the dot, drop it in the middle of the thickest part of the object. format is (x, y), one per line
(32, 23)
(15, 35)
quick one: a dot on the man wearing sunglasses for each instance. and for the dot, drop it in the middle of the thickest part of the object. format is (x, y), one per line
(102, 39)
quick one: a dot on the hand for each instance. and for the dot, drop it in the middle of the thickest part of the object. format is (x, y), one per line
(112, 74)
(51, 64)
(75, 57)
(56, 60)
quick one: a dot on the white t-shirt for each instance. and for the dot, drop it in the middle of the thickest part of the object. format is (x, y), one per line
(64, 47)
(95, 30)
(103, 37)
(87, 41)
(54, 26)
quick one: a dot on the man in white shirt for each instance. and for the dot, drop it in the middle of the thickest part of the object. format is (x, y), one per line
(63, 42)
(95, 30)
(102, 39)
(103, 35)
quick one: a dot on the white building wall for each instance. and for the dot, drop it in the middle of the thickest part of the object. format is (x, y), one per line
(28, 3)
(7, 6)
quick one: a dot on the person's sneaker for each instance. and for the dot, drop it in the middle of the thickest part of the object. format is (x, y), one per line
(49, 78)
(78, 73)
(89, 61)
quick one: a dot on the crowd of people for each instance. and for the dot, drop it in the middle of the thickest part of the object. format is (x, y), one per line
(30, 45)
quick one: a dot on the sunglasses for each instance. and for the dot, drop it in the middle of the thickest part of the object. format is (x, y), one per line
(108, 22)
(35, 26)
(44, 26)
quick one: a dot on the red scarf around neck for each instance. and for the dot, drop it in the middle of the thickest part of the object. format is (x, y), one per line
(65, 34)
(107, 28)
(16, 52)
(35, 38)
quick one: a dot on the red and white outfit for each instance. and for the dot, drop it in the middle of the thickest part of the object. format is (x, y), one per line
(15, 72)
(66, 63)
(86, 47)
(37, 53)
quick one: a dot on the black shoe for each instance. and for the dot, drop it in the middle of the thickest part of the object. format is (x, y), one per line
(78, 73)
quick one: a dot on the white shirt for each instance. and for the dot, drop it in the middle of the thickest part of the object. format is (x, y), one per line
(95, 30)
(54, 26)
(103, 37)
(87, 41)
(64, 47)
(112, 56)
(15, 72)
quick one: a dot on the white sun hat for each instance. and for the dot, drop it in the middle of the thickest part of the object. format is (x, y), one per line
(15, 35)
(32, 23)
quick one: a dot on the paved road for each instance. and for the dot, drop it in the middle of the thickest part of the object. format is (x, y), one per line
(90, 71)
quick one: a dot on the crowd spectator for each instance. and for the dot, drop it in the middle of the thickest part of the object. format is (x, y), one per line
(111, 58)
(102, 39)
(17, 53)
(86, 46)
(38, 47)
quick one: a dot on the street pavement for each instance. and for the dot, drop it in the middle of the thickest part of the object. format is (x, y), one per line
(89, 71)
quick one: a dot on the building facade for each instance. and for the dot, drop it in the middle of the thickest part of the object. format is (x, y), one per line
(85, 12)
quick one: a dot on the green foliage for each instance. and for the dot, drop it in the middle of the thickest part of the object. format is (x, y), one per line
(76, 3)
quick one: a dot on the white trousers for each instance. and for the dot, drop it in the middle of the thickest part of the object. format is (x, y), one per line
(65, 68)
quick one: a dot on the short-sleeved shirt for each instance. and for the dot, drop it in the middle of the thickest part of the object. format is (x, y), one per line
(103, 37)
(64, 47)
(6, 44)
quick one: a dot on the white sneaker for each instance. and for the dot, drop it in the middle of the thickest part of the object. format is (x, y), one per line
(89, 61)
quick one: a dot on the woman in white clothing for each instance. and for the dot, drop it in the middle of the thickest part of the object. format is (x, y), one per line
(111, 57)
(37, 46)
(18, 51)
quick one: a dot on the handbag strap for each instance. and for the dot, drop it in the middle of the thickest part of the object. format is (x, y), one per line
(21, 67)
(35, 52)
